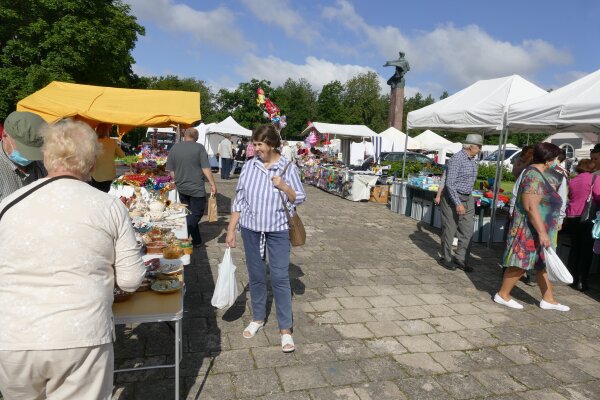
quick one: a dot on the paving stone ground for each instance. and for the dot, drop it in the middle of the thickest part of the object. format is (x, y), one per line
(375, 318)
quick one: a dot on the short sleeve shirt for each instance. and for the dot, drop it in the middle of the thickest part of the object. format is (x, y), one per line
(186, 160)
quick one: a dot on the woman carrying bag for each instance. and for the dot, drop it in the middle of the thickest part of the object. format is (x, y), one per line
(259, 210)
(534, 226)
(584, 193)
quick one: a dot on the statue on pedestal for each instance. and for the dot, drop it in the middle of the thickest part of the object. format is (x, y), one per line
(402, 67)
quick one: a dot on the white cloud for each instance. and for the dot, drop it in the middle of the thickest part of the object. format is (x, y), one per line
(217, 28)
(458, 56)
(281, 14)
(317, 72)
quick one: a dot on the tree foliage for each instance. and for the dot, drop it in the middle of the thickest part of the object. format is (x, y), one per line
(330, 103)
(83, 41)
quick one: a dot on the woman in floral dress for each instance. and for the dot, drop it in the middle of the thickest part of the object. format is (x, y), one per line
(534, 226)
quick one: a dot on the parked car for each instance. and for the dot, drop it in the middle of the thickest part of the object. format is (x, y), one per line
(397, 156)
(510, 156)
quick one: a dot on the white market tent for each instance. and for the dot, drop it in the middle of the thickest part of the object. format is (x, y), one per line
(430, 141)
(340, 131)
(573, 108)
(481, 107)
(449, 148)
(477, 108)
(394, 140)
(229, 126)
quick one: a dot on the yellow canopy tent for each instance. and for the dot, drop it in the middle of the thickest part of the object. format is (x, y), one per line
(126, 108)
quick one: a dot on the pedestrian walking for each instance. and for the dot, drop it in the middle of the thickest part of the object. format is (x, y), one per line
(189, 166)
(225, 153)
(258, 209)
(457, 205)
(534, 227)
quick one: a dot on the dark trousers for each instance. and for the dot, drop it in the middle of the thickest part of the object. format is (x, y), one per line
(582, 244)
(226, 164)
(104, 185)
(196, 205)
(278, 251)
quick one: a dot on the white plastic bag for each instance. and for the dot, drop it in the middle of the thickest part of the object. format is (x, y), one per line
(226, 289)
(557, 272)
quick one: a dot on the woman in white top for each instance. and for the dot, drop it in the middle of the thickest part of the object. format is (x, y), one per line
(63, 246)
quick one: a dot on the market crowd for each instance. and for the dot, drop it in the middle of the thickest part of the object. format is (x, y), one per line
(547, 200)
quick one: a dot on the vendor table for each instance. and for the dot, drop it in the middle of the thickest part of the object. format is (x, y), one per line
(361, 186)
(127, 191)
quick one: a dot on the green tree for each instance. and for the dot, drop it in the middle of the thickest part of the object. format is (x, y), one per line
(82, 41)
(363, 103)
(241, 103)
(298, 102)
(414, 103)
(330, 106)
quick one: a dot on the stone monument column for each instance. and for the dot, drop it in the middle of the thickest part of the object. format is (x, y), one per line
(396, 83)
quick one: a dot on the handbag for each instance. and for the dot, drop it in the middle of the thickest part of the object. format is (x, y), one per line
(596, 228)
(557, 272)
(589, 209)
(212, 208)
(297, 231)
(226, 288)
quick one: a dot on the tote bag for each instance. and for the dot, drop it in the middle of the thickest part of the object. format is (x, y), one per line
(557, 272)
(226, 288)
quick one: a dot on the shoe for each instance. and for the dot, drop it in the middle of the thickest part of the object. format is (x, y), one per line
(287, 343)
(251, 329)
(446, 264)
(512, 303)
(462, 265)
(544, 305)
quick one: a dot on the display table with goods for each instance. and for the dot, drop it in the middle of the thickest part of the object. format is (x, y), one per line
(415, 199)
(340, 180)
(162, 234)
(150, 177)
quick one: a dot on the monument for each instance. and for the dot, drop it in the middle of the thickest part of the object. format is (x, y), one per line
(396, 83)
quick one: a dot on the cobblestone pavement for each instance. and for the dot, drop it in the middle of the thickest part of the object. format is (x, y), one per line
(375, 318)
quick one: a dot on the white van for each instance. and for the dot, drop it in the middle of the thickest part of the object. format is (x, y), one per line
(510, 156)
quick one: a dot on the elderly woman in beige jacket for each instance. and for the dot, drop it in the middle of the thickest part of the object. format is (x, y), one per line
(62, 249)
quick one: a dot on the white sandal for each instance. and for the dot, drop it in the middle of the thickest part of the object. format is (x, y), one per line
(287, 340)
(252, 328)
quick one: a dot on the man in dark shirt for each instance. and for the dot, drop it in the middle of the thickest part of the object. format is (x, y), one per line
(21, 152)
(188, 165)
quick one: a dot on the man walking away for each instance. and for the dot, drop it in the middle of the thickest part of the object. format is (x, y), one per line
(457, 205)
(188, 165)
(225, 152)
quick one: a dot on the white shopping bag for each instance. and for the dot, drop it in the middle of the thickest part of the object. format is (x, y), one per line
(226, 289)
(557, 272)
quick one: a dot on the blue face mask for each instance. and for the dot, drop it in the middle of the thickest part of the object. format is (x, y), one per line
(18, 158)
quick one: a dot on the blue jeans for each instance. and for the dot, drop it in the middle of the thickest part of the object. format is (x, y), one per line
(278, 250)
(226, 164)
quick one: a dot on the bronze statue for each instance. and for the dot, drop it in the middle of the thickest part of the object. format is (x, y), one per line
(402, 67)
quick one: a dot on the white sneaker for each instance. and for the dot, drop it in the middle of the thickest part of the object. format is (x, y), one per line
(549, 306)
(512, 303)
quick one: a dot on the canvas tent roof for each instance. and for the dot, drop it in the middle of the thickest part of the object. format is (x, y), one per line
(430, 140)
(341, 131)
(126, 108)
(575, 108)
(229, 126)
(395, 139)
(479, 107)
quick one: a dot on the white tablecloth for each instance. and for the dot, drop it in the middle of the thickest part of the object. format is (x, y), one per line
(127, 191)
(361, 187)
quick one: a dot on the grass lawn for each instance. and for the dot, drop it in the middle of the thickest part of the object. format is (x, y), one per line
(507, 186)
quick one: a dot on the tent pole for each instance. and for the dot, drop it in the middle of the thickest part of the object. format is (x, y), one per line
(498, 179)
(404, 157)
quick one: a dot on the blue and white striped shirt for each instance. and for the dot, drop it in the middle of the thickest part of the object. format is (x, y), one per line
(257, 199)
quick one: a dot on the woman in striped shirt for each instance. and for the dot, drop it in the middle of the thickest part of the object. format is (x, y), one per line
(263, 223)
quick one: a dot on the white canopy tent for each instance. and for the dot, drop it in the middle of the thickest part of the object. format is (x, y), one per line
(573, 108)
(481, 107)
(477, 108)
(394, 140)
(345, 133)
(449, 148)
(431, 141)
(229, 126)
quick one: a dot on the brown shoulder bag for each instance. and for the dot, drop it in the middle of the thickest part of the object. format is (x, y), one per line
(297, 232)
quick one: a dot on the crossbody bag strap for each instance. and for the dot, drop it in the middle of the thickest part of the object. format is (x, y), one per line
(592, 187)
(30, 191)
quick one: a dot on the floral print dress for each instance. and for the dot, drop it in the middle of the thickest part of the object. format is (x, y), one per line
(523, 249)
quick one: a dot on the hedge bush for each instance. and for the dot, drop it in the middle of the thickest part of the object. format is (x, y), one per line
(484, 171)
(489, 171)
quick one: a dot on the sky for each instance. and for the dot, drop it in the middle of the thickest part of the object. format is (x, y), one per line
(449, 44)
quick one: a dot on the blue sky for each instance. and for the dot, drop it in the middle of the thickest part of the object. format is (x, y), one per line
(449, 44)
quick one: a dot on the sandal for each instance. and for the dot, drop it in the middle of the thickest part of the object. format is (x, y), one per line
(287, 343)
(252, 328)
